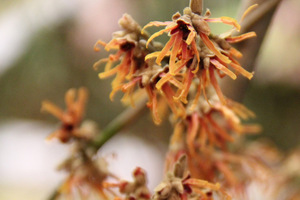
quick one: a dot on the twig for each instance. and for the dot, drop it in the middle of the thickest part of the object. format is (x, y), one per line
(121, 121)
(196, 6)
(258, 21)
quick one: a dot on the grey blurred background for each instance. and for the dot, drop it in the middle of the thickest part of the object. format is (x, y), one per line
(46, 47)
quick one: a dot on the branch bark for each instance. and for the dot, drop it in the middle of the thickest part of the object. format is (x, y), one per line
(259, 21)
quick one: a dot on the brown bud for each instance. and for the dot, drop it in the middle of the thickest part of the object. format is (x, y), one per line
(200, 25)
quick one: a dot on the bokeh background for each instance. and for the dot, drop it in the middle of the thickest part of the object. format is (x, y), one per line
(46, 47)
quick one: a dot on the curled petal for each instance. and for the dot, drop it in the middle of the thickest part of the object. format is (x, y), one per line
(155, 23)
(224, 69)
(216, 86)
(51, 108)
(175, 50)
(226, 20)
(234, 52)
(212, 47)
(192, 132)
(191, 37)
(165, 50)
(96, 48)
(241, 70)
(249, 9)
(167, 29)
(240, 37)
(109, 73)
(202, 184)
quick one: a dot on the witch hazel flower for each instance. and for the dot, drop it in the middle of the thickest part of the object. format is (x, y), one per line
(210, 126)
(133, 75)
(179, 184)
(191, 41)
(86, 178)
(130, 54)
(71, 118)
(135, 190)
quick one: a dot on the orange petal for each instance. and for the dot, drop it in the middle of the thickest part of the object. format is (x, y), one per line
(165, 50)
(242, 70)
(174, 52)
(191, 37)
(196, 99)
(187, 85)
(235, 52)
(155, 23)
(81, 101)
(224, 69)
(202, 184)
(229, 175)
(156, 117)
(96, 48)
(194, 47)
(220, 131)
(192, 132)
(113, 92)
(225, 20)
(177, 108)
(109, 73)
(212, 47)
(51, 108)
(152, 55)
(240, 37)
(175, 82)
(216, 86)
(167, 29)
(249, 9)
(156, 35)
(163, 80)
(70, 98)
(177, 133)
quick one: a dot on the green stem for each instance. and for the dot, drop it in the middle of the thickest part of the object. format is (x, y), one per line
(120, 122)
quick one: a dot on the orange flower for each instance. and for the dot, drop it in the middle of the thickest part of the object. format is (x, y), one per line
(86, 178)
(210, 126)
(179, 184)
(71, 118)
(129, 53)
(136, 189)
(186, 51)
(182, 41)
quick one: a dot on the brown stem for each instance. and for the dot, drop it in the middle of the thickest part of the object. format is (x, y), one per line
(196, 6)
(258, 20)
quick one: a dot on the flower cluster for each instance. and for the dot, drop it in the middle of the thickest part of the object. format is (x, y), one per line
(71, 118)
(85, 179)
(135, 190)
(178, 184)
(183, 74)
(207, 160)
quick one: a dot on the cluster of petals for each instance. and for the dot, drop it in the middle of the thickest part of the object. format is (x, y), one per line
(86, 178)
(70, 118)
(179, 184)
(192, 48)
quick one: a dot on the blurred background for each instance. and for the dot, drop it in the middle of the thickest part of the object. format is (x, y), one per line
(46, 47)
